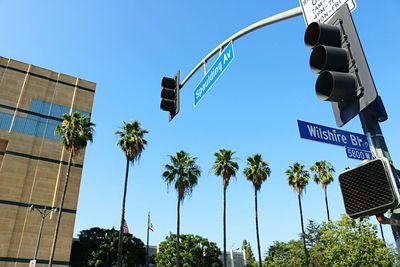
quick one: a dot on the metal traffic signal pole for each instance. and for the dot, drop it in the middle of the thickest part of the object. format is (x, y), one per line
(370, 124)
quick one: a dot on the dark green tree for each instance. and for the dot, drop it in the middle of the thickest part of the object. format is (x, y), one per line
(298, 179)
(249, 256)
(75, 131)
(311, 233)
(132, 142)
(323, 174)
(98, 247)
(194, 251)
(226, 167)
(257, 172)
(183, 174)
(281, 254)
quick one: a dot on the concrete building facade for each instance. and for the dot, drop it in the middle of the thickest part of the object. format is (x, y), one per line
(33, 163)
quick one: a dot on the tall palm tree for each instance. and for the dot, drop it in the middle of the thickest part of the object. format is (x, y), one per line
(183, 174)
(76, 131)
(132, 142)
(298, 179)
(323, 174)
(226, 167)
(257, 172)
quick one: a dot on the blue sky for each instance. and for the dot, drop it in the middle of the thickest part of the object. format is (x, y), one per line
(126, 47)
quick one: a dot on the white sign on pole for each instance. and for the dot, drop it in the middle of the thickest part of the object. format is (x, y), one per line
(323, 10)
(32, 263)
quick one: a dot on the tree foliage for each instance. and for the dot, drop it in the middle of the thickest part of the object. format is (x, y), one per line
(282, 254)
(249, 256)
(194, 251)
(182, 173)
(312, 234)
(131, 140)
(350, 242)
(98, 247)
(76, 131)
(225, 165)
(343, 243)
(257, 171)
(297, 177)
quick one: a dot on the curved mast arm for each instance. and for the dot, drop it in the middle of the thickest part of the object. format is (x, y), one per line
(262, 23)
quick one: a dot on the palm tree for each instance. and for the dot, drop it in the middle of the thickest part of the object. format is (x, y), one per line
(183, 174)
(76, 131)
(132, 142)
(225, 167)
(323, 174)
(298, 179)
(257, 172)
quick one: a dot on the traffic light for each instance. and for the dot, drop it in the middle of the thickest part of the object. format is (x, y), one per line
(370, 189)
(170, 95)
(344, 76)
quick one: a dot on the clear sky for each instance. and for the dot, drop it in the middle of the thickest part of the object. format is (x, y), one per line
(126, 47)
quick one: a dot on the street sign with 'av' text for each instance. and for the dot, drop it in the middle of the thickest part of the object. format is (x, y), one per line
(357, 146)
(323, 10)
(219, 66)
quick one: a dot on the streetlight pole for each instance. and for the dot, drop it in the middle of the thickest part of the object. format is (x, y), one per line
(43, 213)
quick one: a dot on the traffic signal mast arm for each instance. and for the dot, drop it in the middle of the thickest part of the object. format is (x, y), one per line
(255, 26)
(170, 91)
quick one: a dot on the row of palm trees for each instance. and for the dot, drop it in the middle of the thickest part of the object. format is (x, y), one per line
(182, 173)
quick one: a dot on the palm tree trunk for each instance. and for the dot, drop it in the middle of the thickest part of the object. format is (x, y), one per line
(326, 203)
(302, 230)
(121, 228)
(258, 236)
(224, 222)
(53, 246)
(178, 223)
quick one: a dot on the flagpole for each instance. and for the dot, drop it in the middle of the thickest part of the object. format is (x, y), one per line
(147, 246)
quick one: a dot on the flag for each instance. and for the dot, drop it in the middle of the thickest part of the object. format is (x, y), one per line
(151, 227)
(125, 229)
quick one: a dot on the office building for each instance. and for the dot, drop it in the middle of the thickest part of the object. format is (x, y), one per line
(33, 162)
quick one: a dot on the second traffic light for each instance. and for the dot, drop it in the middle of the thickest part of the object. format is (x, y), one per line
(170, 95)
(344, 76)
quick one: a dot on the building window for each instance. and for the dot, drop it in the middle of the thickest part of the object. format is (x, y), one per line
(35, 125)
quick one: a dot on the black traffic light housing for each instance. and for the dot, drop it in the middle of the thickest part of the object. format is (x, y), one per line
(170, 95)
(338, 57)
(369, 189)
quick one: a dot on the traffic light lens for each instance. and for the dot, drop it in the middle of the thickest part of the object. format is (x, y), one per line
(318, 33)
(167, 105)
(329, 58)
(336, 86)
(167, 93)
(312, 34)
(168, 82)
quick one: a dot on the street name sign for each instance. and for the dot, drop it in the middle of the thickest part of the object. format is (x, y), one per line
(323, 10)
(353, 153)
(357, 146)
(219, 66)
